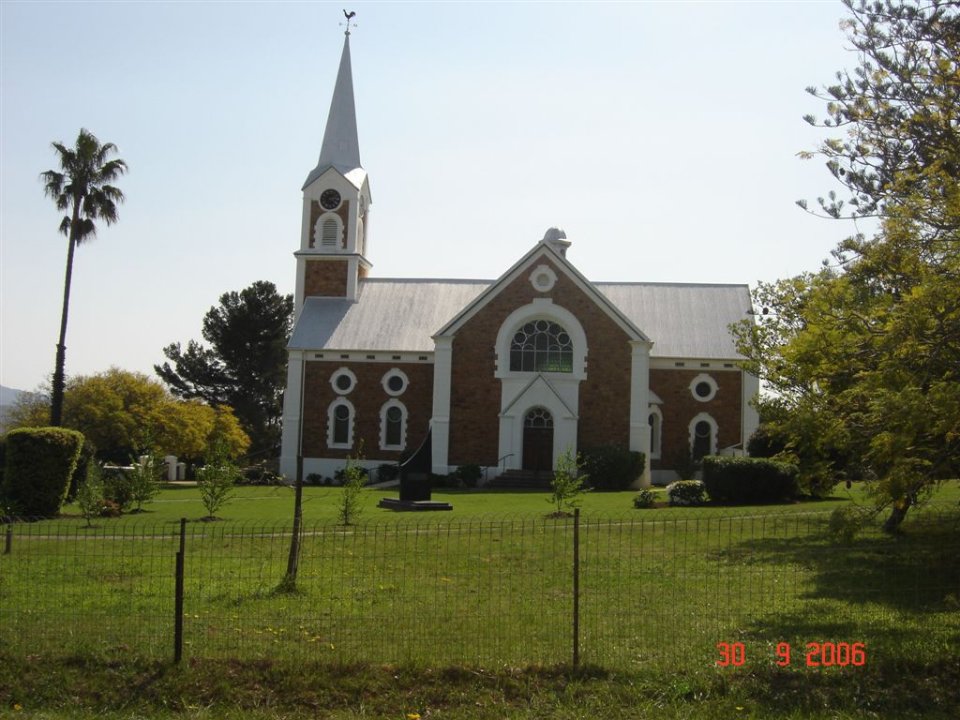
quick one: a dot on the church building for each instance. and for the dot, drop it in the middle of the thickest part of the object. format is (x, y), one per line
(507, 374)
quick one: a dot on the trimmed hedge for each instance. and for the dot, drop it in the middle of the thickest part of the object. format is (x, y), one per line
(39, 465)
(746, 480)
(610, 467)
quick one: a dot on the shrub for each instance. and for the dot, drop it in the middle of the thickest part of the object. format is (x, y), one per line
(261, 474)
(354, 478)
(39, 464)
(144, 479)
(85, 464)
(766, 442)
(469, 475)
(611, 467)
(568, 483)
(644, 499)
(846, 522)
(216, 480)
(117, 487)
(686, 492)
(749, 480)
(90, 494)
(314, 479)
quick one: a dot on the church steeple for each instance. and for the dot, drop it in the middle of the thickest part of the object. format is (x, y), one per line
(341, 146)
(331, 261)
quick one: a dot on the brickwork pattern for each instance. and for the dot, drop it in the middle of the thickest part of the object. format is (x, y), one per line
(475, 394)
(367, 397)
(325, 278)
(680, 407)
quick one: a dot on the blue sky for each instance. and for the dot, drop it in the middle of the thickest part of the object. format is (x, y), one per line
(661, 136)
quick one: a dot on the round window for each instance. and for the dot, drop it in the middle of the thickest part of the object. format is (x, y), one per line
(395, 382)
(343, 381)
(703, 387)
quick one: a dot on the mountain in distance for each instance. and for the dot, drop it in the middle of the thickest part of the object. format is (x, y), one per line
(8, 396)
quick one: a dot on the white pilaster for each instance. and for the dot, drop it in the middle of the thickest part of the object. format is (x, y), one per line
(640, 404)
(290, 438)
(751, 417)
(440, 426)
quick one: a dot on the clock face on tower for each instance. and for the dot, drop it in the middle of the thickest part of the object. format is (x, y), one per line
(329, 199)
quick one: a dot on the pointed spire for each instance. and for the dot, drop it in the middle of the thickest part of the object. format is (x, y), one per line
(341, 148)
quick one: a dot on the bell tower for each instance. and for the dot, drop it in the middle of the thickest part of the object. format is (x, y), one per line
(336, 203)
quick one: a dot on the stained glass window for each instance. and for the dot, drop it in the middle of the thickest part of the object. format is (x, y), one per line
(541, 346)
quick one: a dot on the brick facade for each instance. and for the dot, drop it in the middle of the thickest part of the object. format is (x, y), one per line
(367, 397)
(604, 410)
(680, 407)
(325, 278)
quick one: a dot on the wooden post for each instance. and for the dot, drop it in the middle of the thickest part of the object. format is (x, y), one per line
(8, 541)
(576, 587)
(178, 597)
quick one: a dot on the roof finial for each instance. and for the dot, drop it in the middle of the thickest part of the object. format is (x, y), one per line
(349, 17)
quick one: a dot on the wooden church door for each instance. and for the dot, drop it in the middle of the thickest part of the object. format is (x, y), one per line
(538, 440)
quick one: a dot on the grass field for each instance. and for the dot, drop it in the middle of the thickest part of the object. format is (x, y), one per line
(488, 589)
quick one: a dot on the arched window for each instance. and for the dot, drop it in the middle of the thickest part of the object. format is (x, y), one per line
(703, 436)
(393, 426)
(340, 424)
(656, 422)
(541, 346)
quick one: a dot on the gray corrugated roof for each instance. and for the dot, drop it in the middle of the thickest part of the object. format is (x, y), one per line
(400, 315)
(683, 320)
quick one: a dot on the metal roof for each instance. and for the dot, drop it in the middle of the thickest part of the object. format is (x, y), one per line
(683, 320)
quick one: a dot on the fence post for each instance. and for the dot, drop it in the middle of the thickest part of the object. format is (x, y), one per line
(576, 587)
(178, 597)
(8, 541)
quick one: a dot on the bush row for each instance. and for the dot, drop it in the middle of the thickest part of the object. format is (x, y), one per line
(749, 480)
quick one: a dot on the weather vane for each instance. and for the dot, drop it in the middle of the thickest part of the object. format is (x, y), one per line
(349, 17)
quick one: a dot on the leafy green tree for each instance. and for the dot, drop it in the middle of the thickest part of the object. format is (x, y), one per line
(864, 356)
(123, 413)
(354, 480)
(244, 365)
(82, 188)
(568, 483)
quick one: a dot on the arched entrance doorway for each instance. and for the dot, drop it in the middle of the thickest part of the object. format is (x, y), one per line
(538, 440)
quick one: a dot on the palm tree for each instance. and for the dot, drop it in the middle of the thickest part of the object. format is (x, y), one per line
(81, 187)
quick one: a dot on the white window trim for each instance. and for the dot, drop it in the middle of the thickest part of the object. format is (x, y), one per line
(318, 232)
(656, 432)
(330, 424)
(548, 273)
(339, 372)
(383, 425)
(703, 377)
(714, 431)
(542, 309)
(389, 374)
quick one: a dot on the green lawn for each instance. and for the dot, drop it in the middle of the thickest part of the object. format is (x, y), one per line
(488, 587)
(273, 504)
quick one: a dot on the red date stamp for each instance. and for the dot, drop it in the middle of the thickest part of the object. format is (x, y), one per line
(816, 654)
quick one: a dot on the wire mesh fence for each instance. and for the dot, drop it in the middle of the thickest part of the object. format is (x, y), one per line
(639, 591)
